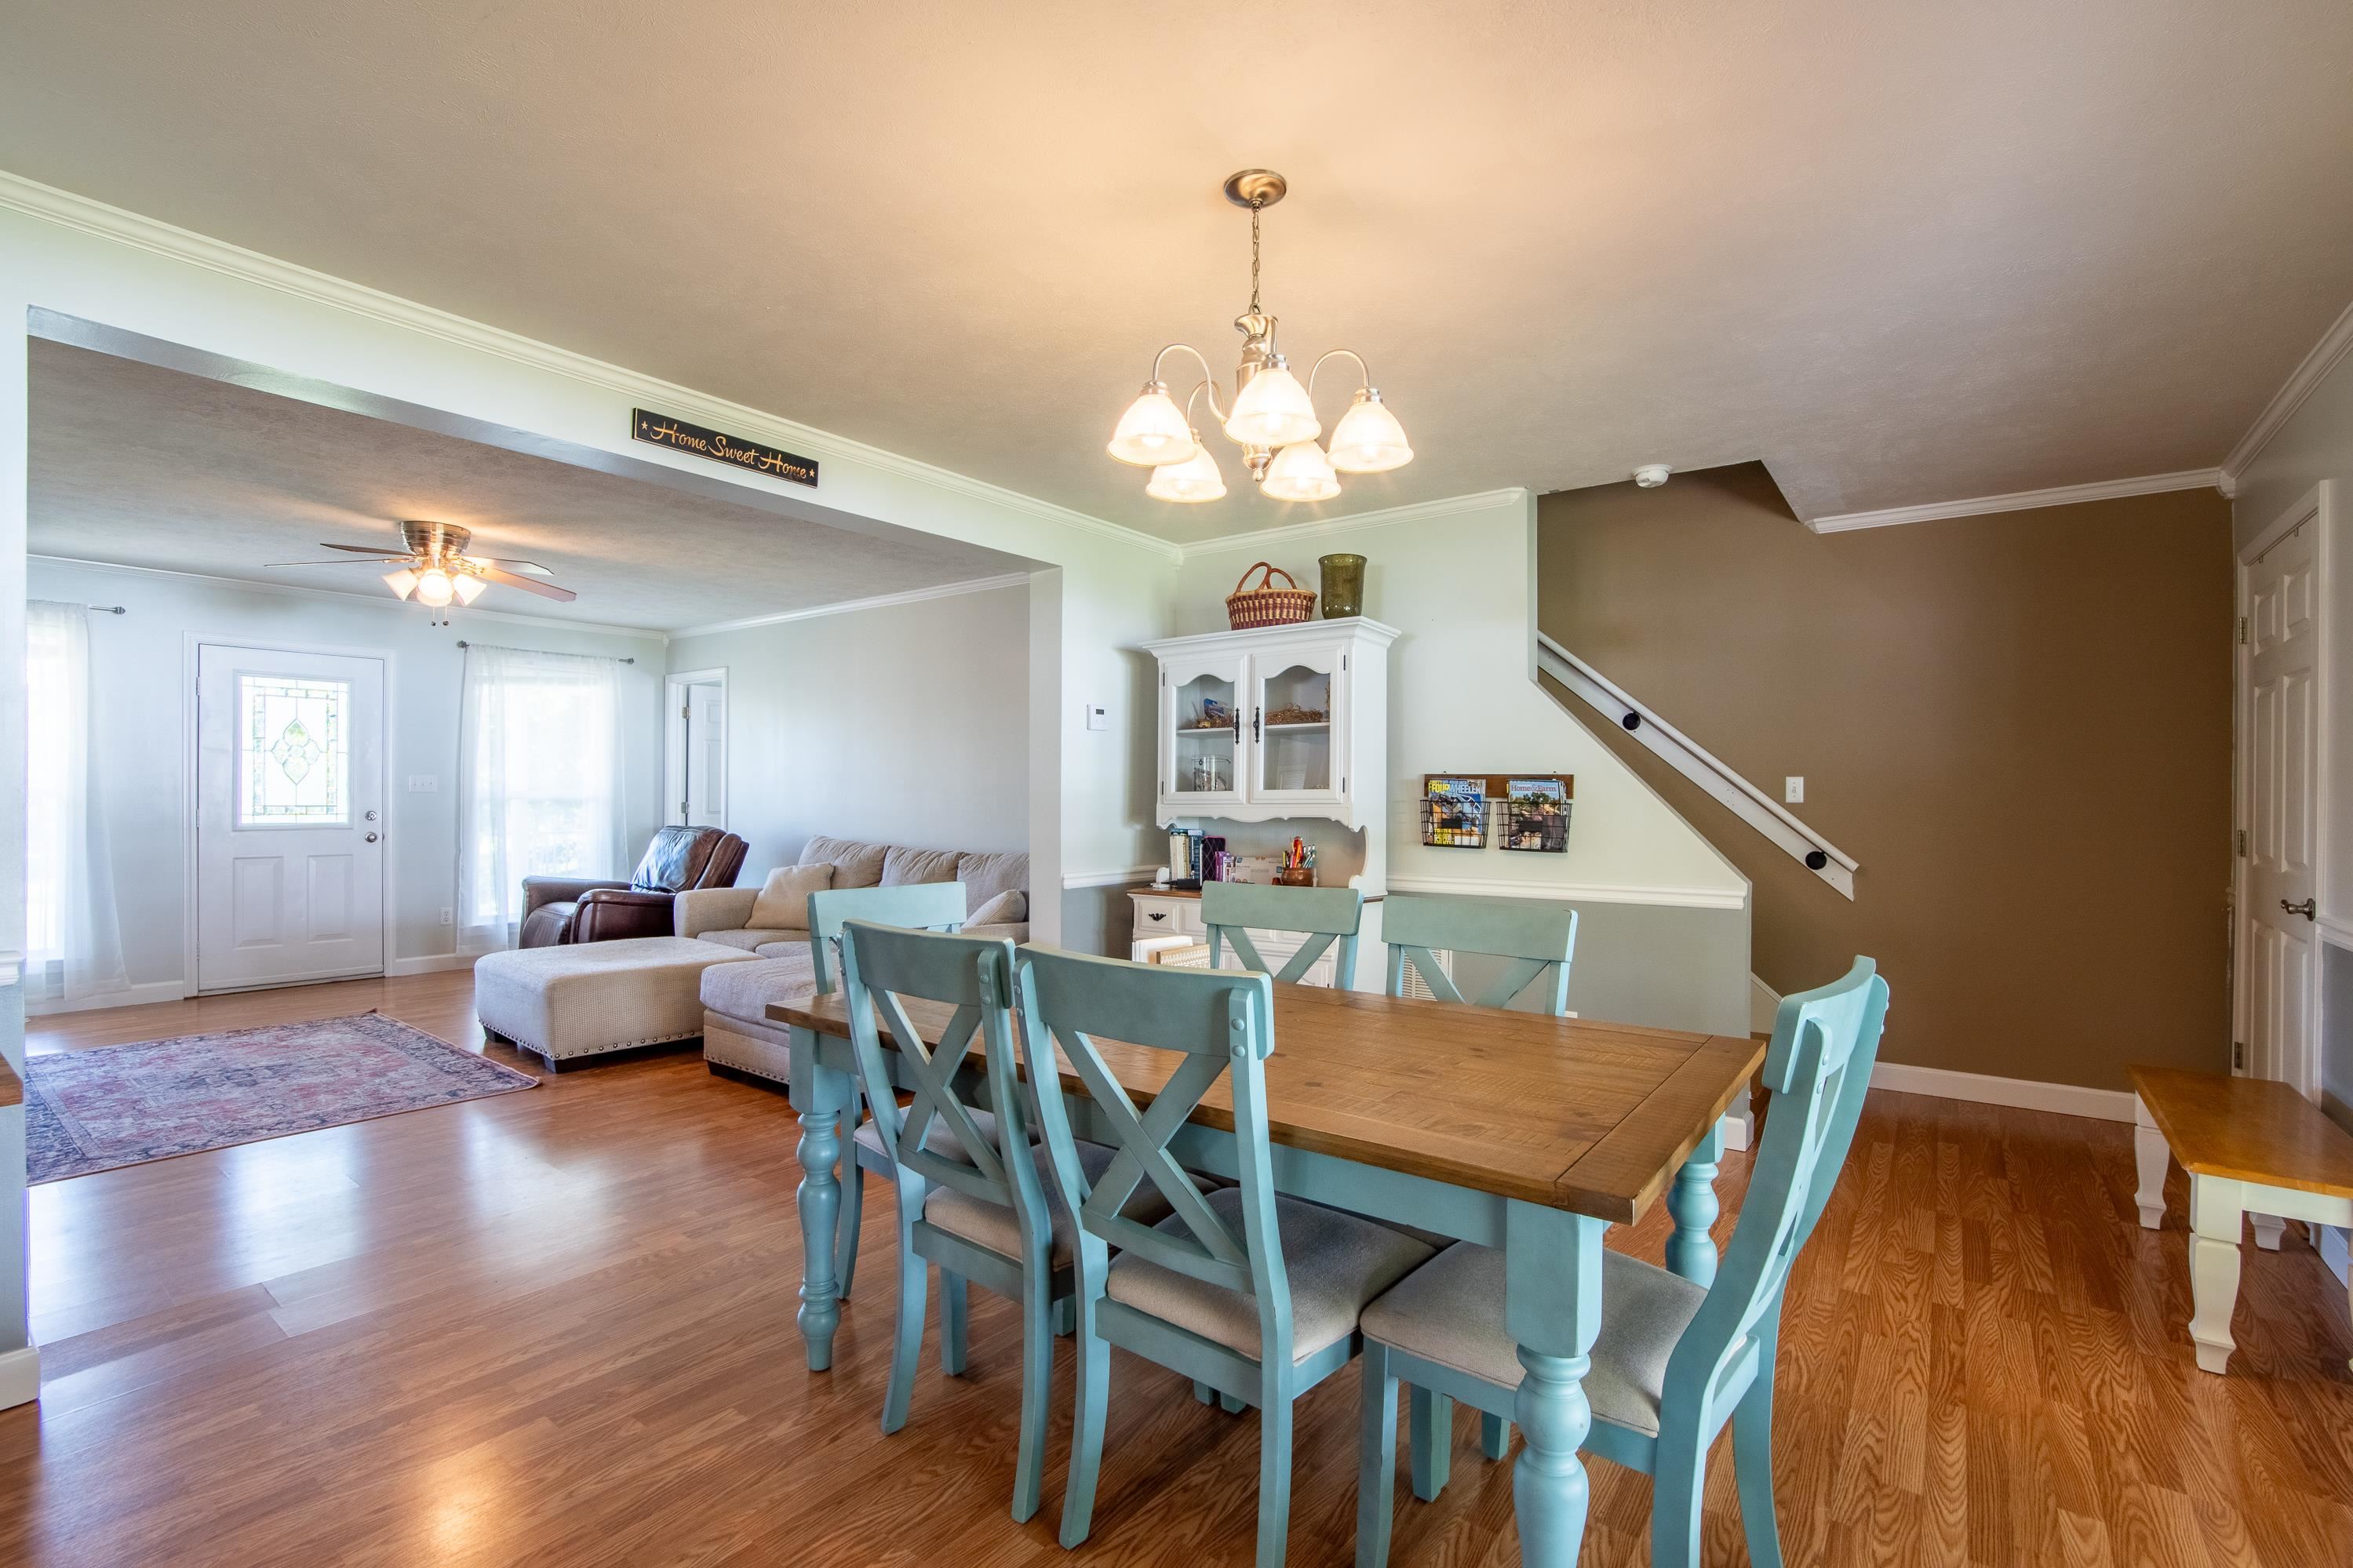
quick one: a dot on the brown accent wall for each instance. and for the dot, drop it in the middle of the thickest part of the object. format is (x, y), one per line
(2019, 724)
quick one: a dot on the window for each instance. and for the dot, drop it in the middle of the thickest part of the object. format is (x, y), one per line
(73, 943)
(539, 771)
(294, 766)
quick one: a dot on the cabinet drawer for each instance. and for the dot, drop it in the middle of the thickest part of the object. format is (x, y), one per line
(1161, 917)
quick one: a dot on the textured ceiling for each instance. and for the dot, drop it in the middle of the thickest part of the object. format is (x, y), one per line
(146, 467)
(1900, 252)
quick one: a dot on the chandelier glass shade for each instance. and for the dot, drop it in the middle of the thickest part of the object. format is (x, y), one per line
(1272, 415)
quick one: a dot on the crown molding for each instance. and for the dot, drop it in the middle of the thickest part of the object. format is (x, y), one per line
(2022, 501)
(1388, 517)
(2334, 345)
(847, 606)
(95, 217)
(378, 601)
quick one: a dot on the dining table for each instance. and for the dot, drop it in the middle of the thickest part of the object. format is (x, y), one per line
(1513, 1130)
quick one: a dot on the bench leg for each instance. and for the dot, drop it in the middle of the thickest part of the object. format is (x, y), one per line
(2151, 1155)
(2216, 1209)
(2268, 1227)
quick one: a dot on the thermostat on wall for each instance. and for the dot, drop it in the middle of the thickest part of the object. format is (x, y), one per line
(1098, 716)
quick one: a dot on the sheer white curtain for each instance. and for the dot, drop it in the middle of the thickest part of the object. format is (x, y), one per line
(541, 786)
(73, 942)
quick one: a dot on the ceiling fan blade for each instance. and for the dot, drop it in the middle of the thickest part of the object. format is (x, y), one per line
(380, 561)
(545, 590)
(532, 567)
(385, 551)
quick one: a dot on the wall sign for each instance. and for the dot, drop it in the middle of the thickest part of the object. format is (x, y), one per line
(664, 431)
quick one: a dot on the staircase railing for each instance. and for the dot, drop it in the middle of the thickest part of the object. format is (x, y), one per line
(1697, 763)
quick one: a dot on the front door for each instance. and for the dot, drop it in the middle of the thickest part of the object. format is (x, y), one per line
(2282, 776)
(289, 807)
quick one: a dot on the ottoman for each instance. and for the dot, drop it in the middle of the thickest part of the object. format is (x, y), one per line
(581, 998)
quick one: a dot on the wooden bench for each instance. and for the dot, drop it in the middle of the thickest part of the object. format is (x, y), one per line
(2251, 1147)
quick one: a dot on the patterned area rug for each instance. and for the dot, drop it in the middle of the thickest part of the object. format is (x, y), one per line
(123, 1105)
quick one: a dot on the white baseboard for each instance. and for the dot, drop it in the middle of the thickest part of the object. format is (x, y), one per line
(20, 1376)
(431, 963)
(131, 996)
(2027, 1094)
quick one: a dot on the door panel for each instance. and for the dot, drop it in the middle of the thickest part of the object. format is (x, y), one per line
(2280, 771)
(289, 816)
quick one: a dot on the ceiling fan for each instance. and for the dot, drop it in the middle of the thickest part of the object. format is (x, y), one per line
(435, 567)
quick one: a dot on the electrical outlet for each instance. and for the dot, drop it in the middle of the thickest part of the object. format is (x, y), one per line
(445, 914)
(1793, 790)
(423, 783)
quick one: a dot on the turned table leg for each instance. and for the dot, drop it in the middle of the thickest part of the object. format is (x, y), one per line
(2151, 1155)
(2216, 1205)
(1691, 1250)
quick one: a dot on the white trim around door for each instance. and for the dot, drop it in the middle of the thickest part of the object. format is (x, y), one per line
(678, 765)
(193, 645)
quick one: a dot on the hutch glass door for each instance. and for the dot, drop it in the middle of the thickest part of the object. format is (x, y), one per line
(1295, 706)
(1202, 707)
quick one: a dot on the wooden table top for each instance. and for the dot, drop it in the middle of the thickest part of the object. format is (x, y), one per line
(12, 1091)
(2248, 1129)
(1566, 1112)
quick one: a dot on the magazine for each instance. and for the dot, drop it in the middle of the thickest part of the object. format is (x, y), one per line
(1455, 813)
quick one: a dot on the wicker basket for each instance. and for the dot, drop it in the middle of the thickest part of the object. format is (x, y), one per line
(1248, 608)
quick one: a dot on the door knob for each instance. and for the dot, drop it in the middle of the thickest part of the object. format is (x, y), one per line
(2307, 908)
(371, 837)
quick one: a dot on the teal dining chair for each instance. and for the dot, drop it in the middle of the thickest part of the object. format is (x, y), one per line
(1323, 915)
(1675, 1360)
(932, 906)
(971, 1196)
(1255, 1295)
(1540, 940)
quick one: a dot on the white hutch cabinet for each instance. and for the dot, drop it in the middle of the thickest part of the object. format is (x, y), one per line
(1285, 722)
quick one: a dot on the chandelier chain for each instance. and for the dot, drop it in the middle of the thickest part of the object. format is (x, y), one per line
(1254, 310)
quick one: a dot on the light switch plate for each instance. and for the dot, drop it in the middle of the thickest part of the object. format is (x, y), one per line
(424, 783)
(1098, 716)
(1793, 790)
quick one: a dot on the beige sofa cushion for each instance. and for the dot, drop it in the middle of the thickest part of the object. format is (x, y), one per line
(751, 939)
(582, 997)
(1012, 931)
(903, 866)
(745, 990)
(855, 865)
(1009, 908)
(783, 902)
(985, 875)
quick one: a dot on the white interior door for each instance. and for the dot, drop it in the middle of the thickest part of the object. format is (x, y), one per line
(2281, 771)
(290, 807)
(695, 758)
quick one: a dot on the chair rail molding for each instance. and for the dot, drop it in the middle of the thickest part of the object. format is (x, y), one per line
(1703, 767)
(1574, 893)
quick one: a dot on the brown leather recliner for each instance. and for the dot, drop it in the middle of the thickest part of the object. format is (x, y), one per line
(558, 909)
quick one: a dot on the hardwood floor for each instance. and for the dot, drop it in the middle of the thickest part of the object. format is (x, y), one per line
(557, 1328)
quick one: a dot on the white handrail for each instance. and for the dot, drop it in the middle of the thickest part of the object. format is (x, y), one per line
(1703, 767)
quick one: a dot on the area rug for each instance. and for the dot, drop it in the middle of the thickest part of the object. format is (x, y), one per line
(123, 1105)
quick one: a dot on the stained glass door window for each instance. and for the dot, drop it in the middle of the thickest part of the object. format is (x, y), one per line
(294, 764)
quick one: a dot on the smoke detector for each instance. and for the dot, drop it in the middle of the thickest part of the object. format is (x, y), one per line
(1651, 476)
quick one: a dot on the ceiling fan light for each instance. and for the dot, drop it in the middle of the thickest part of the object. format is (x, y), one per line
(1153, 432)
(1197, 478)
(1272, 410)
(1300, 472)
(469, 587)
(434, 588)
(402, 582)
(1369, 439)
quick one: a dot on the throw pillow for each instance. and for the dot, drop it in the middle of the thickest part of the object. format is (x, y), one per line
(783, 901)
(1006, 909)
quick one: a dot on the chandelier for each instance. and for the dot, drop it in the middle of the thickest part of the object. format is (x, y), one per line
(1272, 418)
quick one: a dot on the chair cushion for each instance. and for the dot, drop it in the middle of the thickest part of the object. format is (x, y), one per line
(941, 1141)
(783, 900)
(985, 875)
(676, 859)
(855, 864)
(992, 1224)
(1336, 1262)
(1451, 1311)
(903, 866)
(1008, 908)
(751, 938)
(745, 990)
(548, 924)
